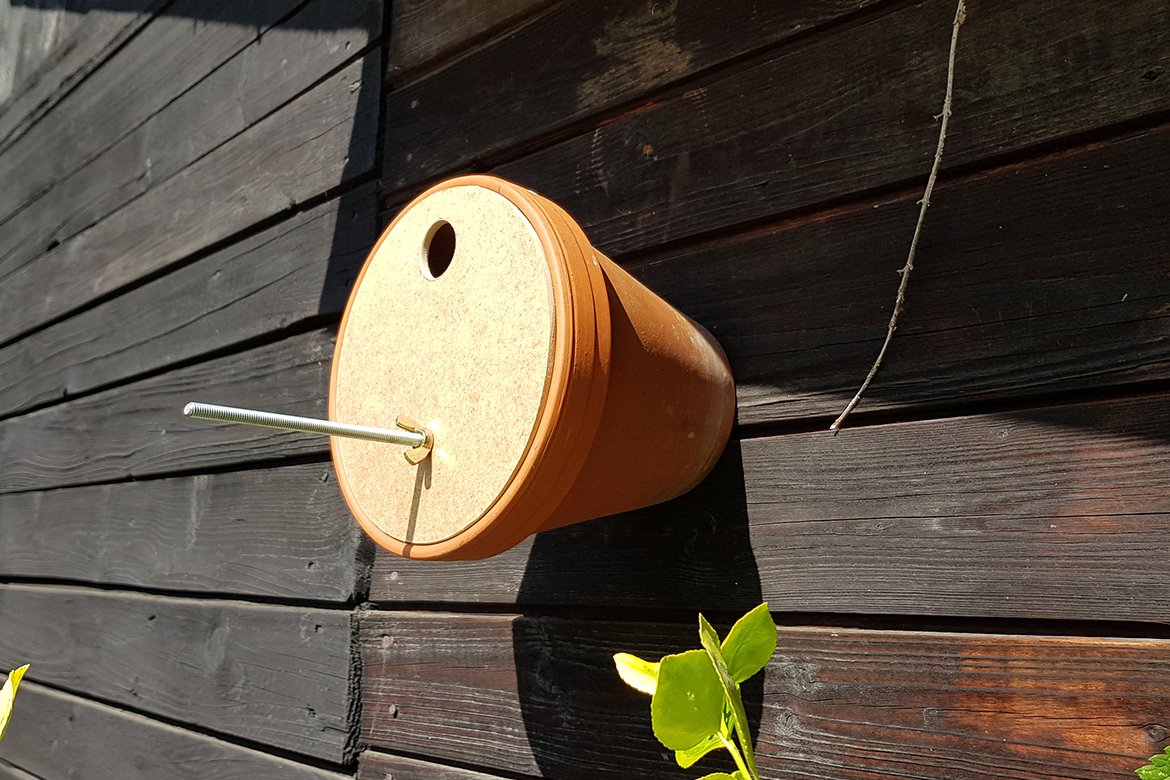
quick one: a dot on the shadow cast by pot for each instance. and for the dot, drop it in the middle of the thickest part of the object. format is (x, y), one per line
(660, 566)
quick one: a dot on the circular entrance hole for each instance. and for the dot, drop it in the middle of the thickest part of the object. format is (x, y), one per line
(438, 250)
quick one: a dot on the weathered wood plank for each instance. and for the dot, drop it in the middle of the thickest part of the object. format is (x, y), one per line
(59, 736)
(379, 766)
(28, 37)
(282, 533)
(1058, 512)
(302, 268)
(10, 772)
(424, 32)
(274, 675)
(812, 125)
(153, 68)
(573, 61)
(284, 61)
(1049, 275)
(539, 695)
(139, 428)
(98, 34)
(319, 141)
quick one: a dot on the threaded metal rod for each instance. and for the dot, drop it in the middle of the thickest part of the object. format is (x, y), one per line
(290, 422)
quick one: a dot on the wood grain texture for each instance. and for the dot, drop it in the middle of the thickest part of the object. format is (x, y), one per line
(571, 62)
(59, 735)
(1043, 513)
(148, 72)
(274, 675)
(813, 125)
(98, 35)
(1049, 275)
(424, 33)
(29, 37)
(382, 766)
(10, 772)
(117, 165)
(317, 142)
(139, 428)
(539, 695)
(282, 533)
(302, 268)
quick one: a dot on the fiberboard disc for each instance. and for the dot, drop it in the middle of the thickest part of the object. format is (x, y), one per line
(464, 349)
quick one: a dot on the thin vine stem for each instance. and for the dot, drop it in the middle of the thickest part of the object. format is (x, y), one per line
(960, 17)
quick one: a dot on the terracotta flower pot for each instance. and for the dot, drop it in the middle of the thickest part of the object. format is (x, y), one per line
(558, 387)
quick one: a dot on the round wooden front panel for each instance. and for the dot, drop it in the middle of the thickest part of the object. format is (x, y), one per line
(452, 323)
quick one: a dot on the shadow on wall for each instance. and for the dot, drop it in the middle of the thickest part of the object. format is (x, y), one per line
(663, 563)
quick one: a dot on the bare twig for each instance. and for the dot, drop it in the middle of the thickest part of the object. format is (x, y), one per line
(960, 17)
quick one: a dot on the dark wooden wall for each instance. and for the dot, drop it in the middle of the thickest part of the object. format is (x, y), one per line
(970, 579)
(181, 216)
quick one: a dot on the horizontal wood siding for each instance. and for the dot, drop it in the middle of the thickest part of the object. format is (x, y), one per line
(761, 169)
(282, 533)
(540, 696)
(811, 125)
(314, 145)
(297, 270)
(1046, 512)
(93, 40)
(376, 766)
(91, 740)
(968, 577)
(270, 674)
(139, 429)
(583, 57)
(189, 203)
(129, 158)
(424, 33)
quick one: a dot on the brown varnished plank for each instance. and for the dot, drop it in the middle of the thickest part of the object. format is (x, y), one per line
(1049, 275)
(424, 33)
(1054, 512)
(377, 766)
(124, 156)
(539, 695)
(270, 674)
(853, 110)
(573, 61)
(139, 428)
(299, 269)
(59, 735)
(283, 533)
(317, 142)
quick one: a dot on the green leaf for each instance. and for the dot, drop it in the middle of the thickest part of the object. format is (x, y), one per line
(711, 644)
(750, 644)
(8, 693)
(688, 703)
(687, 758)
(636, 673)
(724, 776)
(1160, 770)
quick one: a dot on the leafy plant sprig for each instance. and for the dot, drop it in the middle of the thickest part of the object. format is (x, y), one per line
(696, 705)
(7, 694)
(1158, 769)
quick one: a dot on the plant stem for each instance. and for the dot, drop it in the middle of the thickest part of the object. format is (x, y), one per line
(734, 751)
(960, 16)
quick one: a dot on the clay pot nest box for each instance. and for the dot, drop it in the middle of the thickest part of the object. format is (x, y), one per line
(533, 382)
